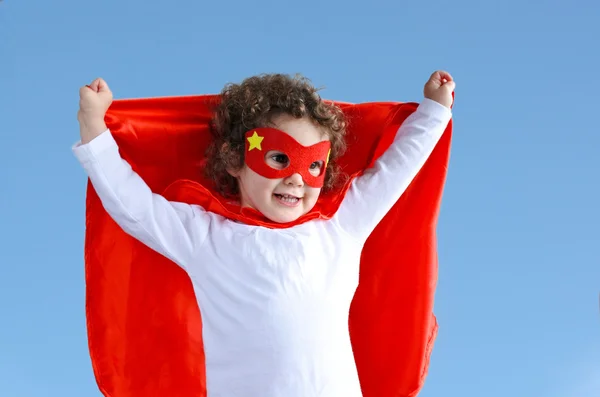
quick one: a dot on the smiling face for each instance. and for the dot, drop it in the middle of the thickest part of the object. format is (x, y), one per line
(274, 181)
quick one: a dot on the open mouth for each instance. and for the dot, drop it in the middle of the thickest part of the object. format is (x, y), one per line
(287, 199)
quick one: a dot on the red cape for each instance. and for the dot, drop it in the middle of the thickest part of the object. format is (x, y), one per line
(144, 326)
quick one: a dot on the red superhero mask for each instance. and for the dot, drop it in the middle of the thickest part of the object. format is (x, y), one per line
(260, 141)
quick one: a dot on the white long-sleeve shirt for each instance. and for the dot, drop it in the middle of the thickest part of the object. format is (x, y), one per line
(274, 302)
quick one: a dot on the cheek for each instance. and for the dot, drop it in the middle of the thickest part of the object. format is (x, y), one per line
(258, 184)
(312, 193)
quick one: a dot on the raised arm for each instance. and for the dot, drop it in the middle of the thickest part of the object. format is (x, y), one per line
(175, 230)
(375, 192)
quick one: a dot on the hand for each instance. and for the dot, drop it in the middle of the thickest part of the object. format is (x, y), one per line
(94, 101)
(440, 87)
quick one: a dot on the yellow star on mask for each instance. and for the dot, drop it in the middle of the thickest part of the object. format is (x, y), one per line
(255, 141)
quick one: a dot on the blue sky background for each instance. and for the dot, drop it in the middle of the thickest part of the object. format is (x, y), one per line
(519, 265)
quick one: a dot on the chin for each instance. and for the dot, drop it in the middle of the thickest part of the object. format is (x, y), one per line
(285, 217)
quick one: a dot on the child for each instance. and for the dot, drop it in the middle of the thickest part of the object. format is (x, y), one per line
(274, 301)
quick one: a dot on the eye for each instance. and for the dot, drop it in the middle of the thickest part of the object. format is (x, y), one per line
(277, 160)
(315, 168)
(280, 158)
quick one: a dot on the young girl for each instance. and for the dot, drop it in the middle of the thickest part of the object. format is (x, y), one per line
(274, 301)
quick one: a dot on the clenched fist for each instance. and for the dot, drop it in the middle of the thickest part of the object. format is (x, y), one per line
(94, 101)
(440, 87)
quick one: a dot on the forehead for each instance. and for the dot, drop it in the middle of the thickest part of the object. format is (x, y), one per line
(302, 130)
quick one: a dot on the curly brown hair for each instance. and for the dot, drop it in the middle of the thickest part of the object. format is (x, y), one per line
(252, 104)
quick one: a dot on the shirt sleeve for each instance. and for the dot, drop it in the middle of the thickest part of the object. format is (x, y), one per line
(175, 230)
(375, 192)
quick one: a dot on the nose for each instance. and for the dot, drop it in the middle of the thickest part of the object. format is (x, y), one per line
(294, 180)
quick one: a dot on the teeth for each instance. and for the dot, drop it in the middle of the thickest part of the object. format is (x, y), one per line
(288, 198)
